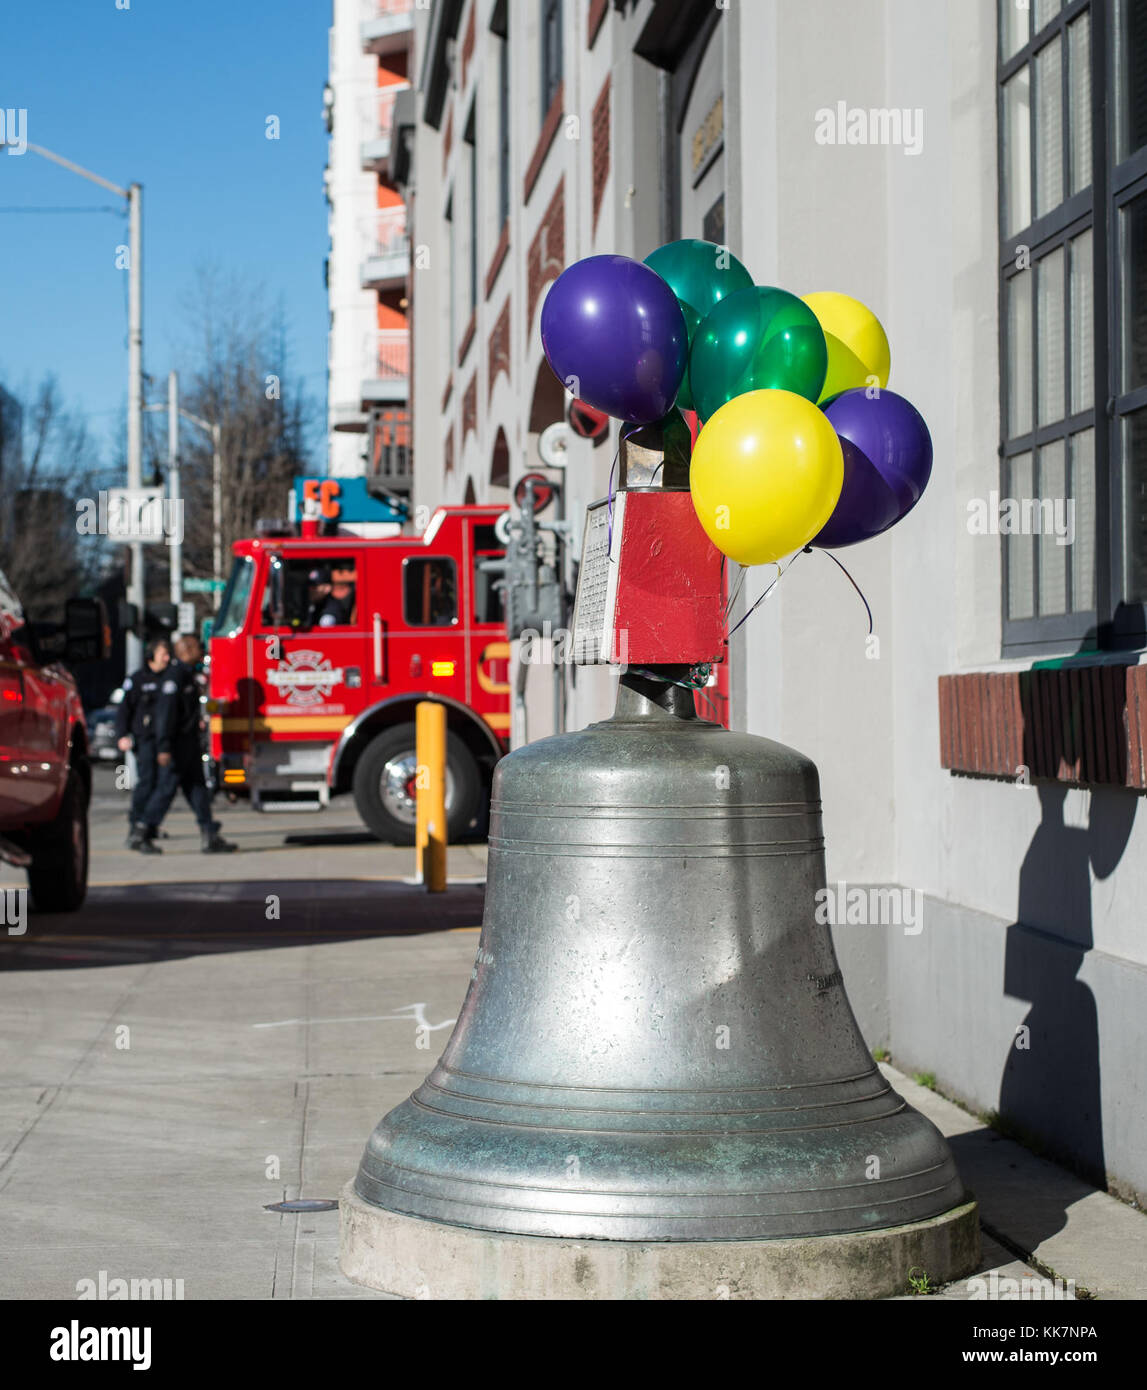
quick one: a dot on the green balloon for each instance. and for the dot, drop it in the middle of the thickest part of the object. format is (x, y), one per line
(692, 323)
(699, 273)
(757, 339)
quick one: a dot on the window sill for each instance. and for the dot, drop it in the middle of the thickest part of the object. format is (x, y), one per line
(1080, 723)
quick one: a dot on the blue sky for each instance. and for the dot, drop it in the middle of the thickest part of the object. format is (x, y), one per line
(173, 94)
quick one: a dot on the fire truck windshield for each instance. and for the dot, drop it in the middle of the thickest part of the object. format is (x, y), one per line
(233, 609)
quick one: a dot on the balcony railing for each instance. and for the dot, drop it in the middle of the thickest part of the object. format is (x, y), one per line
(386, 363)
(377, 9)
(377, 117)
(386, 26)
(389, 453)
(384, 234)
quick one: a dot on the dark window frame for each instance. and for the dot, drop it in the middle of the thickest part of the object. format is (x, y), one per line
(1125, 181)
(503, 130)
(470, 138)
(429, 560)
(1111, 624)
(1042, 237)
(550, 35)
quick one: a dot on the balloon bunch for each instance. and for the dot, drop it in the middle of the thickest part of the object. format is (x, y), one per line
(800, 443)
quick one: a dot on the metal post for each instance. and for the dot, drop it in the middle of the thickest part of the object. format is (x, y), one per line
(137, 593)
(175, 491)
(217, 508)
(430, 795)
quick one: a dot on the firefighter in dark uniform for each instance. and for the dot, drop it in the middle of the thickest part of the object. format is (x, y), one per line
(330, 598)
(135, 729)
(178, 722)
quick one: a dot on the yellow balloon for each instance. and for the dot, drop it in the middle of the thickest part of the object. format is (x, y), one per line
(766, 474)
(857, 344)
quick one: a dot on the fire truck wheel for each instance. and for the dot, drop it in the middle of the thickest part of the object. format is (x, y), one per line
(58, 873)
(384, 786)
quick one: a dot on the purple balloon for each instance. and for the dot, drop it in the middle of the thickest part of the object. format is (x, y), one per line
(887, 464)
(614, 334)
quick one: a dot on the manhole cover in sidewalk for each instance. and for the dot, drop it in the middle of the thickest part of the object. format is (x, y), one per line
(304, 1204)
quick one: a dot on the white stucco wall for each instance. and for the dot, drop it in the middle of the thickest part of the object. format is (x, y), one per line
(915, 237)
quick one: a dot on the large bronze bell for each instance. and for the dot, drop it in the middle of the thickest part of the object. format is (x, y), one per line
(656, 1044)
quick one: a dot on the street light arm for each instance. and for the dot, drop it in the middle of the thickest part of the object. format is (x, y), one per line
(77, 169)
(198, 420)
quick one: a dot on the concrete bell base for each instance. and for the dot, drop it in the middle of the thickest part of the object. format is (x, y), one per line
(415, 1258)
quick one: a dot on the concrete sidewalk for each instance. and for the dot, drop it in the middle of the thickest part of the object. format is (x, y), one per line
(172, 1061)
(254, 1076)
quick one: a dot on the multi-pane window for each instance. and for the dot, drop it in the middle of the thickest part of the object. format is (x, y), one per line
(1048, 309)
(1073, 301)
(452, 296)
(503, 131)
(471, 140)
(551, 51)
(1129, 259)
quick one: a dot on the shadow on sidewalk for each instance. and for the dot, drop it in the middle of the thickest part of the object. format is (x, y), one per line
(167, 921)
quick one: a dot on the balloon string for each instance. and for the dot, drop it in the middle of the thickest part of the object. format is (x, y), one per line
(738, 585)
(780, 574)
(609, 509)
(854, 584)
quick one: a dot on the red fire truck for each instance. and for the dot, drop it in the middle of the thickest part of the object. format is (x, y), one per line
(324, 645)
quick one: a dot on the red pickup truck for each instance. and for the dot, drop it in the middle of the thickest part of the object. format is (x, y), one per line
(45, 777)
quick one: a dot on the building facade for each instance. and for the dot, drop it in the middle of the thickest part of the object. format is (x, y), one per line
(369, 262)
(976, 171)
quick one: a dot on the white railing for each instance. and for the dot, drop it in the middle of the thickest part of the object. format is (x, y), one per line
(378, 9)
(384, 233)
(388, 354)
(377, 112)
(390, 444)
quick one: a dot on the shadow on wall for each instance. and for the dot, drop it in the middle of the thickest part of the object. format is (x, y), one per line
(1050, 1088)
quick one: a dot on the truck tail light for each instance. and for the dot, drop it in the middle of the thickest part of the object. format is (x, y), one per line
(11, 688)
(234, 775)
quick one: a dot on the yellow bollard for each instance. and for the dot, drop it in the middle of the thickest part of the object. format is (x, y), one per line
(430, 795)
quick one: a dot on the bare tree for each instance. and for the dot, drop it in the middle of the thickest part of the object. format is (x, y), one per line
(49, 462)
(239, 377)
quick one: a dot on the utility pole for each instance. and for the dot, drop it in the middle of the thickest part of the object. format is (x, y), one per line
(137, 592)
(175, 540)
(215, 430)
(217, 508)
(134, 197)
